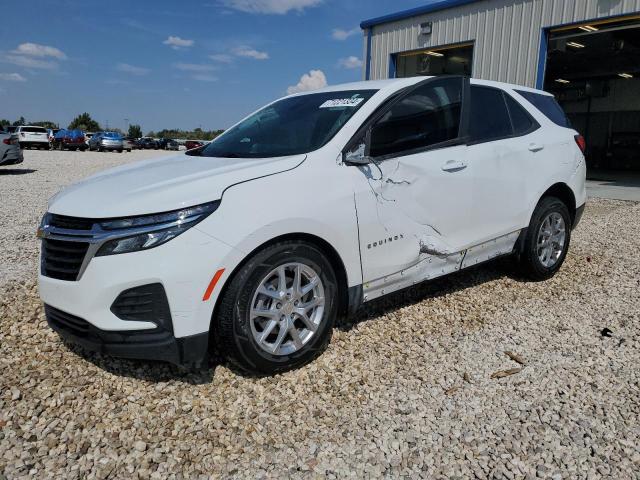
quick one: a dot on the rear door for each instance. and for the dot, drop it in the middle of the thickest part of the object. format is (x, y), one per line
(503, 148)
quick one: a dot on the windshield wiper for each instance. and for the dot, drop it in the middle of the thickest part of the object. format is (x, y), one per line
(227, 155)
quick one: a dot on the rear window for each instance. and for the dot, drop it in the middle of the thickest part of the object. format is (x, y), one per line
(33, 129)
(548, 106)
(520, 118)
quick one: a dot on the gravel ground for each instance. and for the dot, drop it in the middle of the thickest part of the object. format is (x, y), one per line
(407, 389)
(25, 189)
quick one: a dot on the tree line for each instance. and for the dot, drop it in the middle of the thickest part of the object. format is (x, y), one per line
(85, 122)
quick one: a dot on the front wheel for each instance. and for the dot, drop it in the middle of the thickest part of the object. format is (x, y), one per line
(278, 310)
(547, 240)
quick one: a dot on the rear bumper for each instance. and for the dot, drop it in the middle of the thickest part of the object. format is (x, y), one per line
(156, 344)
(12, 156)
(74, 144)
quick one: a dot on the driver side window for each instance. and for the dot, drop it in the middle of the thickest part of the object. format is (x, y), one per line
(427, 116)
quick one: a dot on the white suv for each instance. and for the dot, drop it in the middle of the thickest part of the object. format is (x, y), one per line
(304, 210)
(32, 136)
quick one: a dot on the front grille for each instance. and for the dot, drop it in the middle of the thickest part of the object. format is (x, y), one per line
(71, 223)
(62, 260)
(66, 321)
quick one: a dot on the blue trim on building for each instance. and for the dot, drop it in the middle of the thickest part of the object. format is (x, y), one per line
(544, 41)
(367, 74)
(542, 57)
(393, 58)
(431, 7)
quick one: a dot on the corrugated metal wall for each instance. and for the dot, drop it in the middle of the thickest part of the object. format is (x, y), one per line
(506, 33)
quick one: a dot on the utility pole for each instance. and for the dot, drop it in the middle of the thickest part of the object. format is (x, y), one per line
(126, 125)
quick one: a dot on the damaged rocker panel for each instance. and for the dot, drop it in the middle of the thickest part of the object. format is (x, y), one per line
(430, 266)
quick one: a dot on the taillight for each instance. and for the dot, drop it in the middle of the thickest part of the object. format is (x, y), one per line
(6, 141)
(582, 144)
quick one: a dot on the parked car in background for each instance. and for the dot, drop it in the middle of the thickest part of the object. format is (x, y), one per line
(128, 143)
(148, 143)
(162, 143)
(10, 129)
(400, 181)
(172, 145)
(31, 136)
(10, 151)
(52, 133)
(87, 137)
(69, 139)
(191, 144)
(106, 141)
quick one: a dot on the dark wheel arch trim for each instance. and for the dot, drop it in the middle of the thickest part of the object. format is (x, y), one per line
(563, 192)
(349, 298)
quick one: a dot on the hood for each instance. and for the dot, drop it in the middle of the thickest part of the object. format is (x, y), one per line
(161, 185)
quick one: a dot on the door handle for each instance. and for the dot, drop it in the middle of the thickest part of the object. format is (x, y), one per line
(454, 165)
(534, 147)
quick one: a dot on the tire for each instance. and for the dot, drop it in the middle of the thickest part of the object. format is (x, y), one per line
(530, 262)
(235, 330)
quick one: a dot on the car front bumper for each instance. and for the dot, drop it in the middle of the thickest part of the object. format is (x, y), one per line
(156, 344)
(183, 266)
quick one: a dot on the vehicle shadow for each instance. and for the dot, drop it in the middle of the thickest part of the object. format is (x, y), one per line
(461, 280)
(158, 372)
(16, 171)
(147, 370)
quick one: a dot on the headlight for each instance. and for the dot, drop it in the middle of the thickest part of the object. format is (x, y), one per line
(148, 231)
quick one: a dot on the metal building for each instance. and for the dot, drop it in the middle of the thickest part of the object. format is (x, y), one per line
(586, 52)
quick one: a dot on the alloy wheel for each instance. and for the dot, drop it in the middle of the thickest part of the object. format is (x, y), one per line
(551, 239)
(287, 308)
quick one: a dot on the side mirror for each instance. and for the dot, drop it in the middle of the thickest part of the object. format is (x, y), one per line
(356, 156)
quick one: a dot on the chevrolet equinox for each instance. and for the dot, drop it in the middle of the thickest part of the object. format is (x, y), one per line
(320, 201)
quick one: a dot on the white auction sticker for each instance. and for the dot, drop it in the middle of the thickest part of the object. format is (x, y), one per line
(342, 102)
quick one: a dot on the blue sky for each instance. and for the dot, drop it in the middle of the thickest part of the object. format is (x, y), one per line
(174, 64)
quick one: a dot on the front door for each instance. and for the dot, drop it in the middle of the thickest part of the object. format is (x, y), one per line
(414, 197)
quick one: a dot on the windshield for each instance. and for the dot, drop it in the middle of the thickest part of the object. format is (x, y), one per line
(290, 126)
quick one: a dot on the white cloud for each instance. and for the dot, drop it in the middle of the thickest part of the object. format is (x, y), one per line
(12, 77)
(249, 52)
(132, 69)
(340, 34)
(36, 50)
(176, 42)
(203, 77)
(221, 57)
(350, 62)
(313, 80)
(29, 62)
(278, 7)
(194, 67)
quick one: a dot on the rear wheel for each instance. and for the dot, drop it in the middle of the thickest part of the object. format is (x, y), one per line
(278, 311)
(547, 239)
